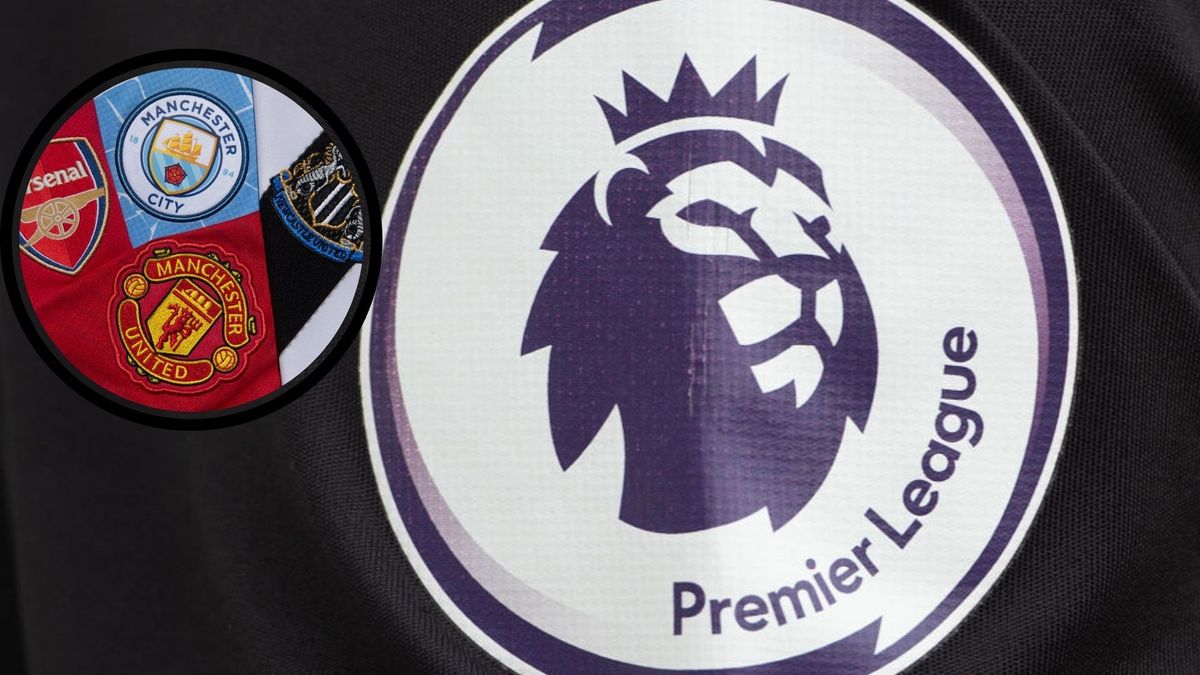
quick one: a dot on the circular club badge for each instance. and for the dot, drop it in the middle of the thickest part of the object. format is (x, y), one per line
(719, 336)
(183, 155)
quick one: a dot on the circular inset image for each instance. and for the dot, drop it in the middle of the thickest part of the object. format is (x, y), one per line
(191, 238)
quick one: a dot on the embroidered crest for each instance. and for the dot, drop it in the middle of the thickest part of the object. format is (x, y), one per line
(65, 207)
(185, 318)
(317, 200)
(183, 155)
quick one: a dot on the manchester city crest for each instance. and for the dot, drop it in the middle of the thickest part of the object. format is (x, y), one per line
(182, 155)
(718, 337)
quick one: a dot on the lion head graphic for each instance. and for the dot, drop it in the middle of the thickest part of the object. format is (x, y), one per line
(697, 291)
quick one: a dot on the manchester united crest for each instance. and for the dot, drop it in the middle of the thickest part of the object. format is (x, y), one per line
(65, 207)
(184, 318)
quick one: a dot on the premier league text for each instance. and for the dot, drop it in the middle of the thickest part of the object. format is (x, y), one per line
(957, 428)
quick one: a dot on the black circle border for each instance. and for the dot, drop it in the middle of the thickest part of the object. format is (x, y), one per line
(79, 96)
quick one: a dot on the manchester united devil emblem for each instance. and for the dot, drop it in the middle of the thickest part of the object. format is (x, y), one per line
(184, 318)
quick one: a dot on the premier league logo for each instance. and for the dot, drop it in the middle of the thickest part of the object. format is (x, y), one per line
(700, 292)
(718, 337)
(182, 155)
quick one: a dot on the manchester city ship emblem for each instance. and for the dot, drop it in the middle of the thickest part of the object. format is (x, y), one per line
(718, 337)
(184, 318)
(66, 206)
(182, 155)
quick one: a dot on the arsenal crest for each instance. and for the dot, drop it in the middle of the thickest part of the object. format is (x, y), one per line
(318, 202)
(65, 207)
(184, 318)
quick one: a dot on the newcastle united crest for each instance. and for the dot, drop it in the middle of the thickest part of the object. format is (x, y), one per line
(65, 207)
(184, 318)
(318, 202)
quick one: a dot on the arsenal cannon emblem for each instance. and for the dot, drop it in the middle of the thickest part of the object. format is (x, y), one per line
(65, 207)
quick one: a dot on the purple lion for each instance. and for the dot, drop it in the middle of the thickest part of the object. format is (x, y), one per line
(697, 291)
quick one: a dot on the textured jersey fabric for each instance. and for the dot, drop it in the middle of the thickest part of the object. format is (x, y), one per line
(264, 547)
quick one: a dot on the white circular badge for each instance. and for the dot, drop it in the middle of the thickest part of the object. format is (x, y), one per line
(183, 155)
(718, 336)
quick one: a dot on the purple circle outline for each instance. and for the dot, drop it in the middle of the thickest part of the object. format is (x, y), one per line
(855, 653)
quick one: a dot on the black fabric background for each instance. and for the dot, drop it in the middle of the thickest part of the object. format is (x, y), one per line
(264, 548)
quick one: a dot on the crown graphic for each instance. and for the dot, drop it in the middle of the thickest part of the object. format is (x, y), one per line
(689, 97)
(184, 146)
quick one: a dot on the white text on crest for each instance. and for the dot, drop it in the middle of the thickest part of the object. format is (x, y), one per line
(60, 177)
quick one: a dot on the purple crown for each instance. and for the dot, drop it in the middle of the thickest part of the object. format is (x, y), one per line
(738, 99)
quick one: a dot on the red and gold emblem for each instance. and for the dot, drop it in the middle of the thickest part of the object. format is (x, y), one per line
(65, 206)
(185, 318)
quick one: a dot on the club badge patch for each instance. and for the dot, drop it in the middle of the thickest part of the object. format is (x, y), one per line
(183, 155)
(713, 350)
(184, 318)
(65, 207)
(319, 204)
